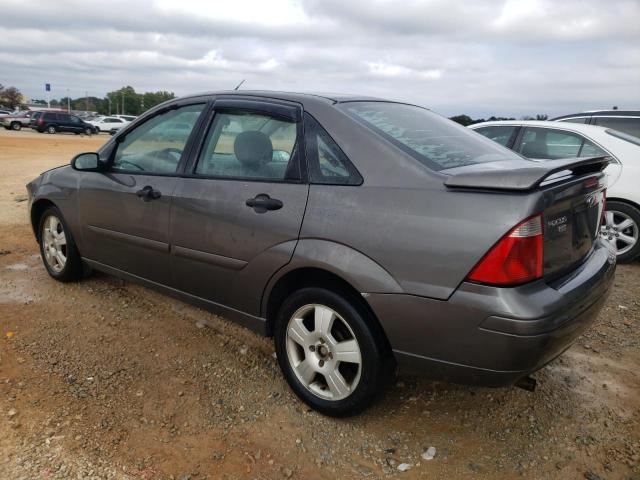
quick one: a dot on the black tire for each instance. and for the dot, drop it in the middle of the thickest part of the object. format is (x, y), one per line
(16, 126)
(73, 268)
(634, 214)
(88, 131)
(51, 129)
(377, 364)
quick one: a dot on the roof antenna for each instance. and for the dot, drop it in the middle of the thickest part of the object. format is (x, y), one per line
(238, 86)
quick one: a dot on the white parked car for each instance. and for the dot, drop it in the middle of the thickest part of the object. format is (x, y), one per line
(128, 118)
(551, 140)
(108, 124)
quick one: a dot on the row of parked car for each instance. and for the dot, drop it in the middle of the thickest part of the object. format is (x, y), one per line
(53, 122)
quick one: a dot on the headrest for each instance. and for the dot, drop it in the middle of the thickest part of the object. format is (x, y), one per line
(253, 148)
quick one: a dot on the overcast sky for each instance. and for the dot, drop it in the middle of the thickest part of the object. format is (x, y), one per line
(511, 57)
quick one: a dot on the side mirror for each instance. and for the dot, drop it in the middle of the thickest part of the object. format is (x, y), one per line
(87, 162)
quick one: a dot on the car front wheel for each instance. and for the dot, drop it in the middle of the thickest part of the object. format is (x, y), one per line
(16, 126)
(57, 248)
(622, 228)
(330, 351)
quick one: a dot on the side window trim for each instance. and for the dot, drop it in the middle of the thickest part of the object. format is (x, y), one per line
(263, 107)
(186, 153)
(312, 145)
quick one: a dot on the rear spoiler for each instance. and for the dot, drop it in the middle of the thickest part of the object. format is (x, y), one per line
(520, 175)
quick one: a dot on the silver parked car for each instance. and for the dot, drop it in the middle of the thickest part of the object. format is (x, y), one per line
(359, 233)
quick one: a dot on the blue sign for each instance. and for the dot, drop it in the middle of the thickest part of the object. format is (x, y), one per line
(47, 87)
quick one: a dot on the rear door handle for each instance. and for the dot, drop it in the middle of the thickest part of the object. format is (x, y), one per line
(147, 193)
(261, 203)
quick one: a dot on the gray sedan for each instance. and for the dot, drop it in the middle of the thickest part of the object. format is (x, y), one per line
(361, 234)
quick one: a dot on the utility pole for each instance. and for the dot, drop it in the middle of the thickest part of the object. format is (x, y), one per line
(109, 100)
(86, 101)
(122, 113)
(68, 102)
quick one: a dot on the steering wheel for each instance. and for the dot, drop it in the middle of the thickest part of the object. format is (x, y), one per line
(166, 152)
(127, 162)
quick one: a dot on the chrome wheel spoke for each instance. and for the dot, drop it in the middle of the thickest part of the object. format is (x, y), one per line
(626, 223)
(324, 320)
(609, 218)
(306, 371)
(299, 333)
(627, 240)
(348, 351)
(337, 384)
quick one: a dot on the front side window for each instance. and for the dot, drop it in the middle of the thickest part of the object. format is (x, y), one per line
(501, 134)
(156, 146)
(628, 125)
(552, 144)
(249, 145)
(436, 142)
(327, 162)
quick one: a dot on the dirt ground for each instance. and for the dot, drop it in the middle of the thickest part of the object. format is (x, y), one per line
(105, 379)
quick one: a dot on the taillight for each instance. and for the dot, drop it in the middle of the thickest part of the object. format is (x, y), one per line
(603, 219)
(515, 259)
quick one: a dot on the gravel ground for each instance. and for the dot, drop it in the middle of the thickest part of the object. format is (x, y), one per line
(105, 379)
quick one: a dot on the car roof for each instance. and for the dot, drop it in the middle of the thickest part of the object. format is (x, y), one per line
(300, 97)
(576, 127)
(612, 113)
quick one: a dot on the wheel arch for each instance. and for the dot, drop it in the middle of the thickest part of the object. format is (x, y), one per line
(623, 200)
(37, 209)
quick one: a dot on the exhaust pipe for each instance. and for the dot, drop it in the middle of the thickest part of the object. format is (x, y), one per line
(527, 383)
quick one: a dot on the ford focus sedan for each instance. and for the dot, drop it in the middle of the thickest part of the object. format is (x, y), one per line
(361, 234)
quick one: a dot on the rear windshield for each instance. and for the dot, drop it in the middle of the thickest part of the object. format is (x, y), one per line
(436, 142)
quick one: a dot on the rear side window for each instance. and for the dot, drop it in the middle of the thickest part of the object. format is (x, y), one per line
(249, 145)
(436, 142)
(545, 143)
(327, 163)
(628, 125)
(501, 134)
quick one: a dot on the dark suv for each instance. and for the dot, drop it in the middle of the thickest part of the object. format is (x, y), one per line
(626, 121)
(52, 122)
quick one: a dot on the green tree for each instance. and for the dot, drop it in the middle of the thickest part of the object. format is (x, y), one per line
(10, 97)
(464, 120)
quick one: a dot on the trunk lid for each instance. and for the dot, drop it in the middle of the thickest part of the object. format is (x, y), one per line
(573, 200)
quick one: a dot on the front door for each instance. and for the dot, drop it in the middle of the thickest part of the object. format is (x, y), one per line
(237, 211)
(125, 210)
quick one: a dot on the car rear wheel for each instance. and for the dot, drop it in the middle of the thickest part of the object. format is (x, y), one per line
(622, 228)
(88, 131)
(330, 352)
(52, 129)
(16, 126)
(57, 248)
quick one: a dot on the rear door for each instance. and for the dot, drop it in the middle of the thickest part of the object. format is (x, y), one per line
(125, 211)
(237, 211)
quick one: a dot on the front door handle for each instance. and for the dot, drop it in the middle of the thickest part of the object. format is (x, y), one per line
(148, 193)
(261, 203)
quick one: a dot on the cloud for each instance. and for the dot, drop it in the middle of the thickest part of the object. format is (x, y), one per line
(510, 57)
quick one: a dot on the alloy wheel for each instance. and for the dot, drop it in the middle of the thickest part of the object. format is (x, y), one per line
(620, 229)
(54, 244)
(323, 352)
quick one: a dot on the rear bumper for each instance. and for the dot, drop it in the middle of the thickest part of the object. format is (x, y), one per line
(493, 336)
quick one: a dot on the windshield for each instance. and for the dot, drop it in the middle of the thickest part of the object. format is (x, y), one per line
(436, 142)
